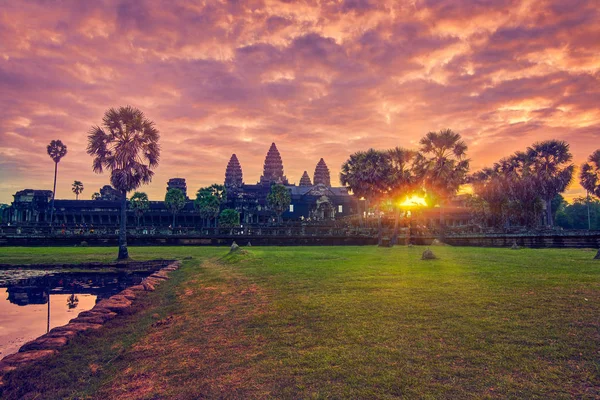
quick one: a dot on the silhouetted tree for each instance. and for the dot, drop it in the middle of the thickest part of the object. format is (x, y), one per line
(127, 146)
(174, 201)
(442, 165)
(367, 174)
(488, 186)
(589, 177)
(550, 164)
(139, 203)
(56, 150)
(518, 180)
(279, 199)
(96, 196)
(77, 188)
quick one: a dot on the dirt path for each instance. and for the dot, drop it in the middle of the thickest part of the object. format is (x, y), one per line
(206, 349)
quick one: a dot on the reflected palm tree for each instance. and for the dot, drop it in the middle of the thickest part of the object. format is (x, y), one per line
(48, 320)
(72, 301)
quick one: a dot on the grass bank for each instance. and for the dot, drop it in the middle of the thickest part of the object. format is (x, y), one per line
(339, 322)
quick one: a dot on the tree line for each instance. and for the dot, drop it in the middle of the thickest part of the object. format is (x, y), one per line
(512, 190)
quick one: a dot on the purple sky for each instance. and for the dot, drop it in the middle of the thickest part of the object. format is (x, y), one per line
(321, 79)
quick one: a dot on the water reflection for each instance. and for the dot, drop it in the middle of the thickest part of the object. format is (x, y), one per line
(32, 304)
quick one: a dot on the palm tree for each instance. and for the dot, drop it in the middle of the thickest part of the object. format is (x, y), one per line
(127, 146)
(518, 180)
(442, 165)
(402, 181)
(56, 150)
(139, 203)
(550, 164)
(368, 174)
(208, 201)
(488, 185)
(589, 177)
(174, 201)
(77, 188)
(279, 199)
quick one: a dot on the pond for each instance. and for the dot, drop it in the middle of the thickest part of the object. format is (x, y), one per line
(34, 301)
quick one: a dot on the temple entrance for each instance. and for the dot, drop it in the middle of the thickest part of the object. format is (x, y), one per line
(324, 209)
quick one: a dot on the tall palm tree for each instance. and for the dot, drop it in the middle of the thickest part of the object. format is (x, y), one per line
(551, 165)
(589, 177)
(56, 150)
(403, 181)
(77, 188)
(127, 145)
(442, 164)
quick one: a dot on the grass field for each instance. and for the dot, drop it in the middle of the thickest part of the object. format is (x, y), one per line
(338, 322)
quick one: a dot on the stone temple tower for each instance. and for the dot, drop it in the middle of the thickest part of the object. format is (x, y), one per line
(305, 180)
(233, 173)
(322, 174)
(177, 183)
(273, 169)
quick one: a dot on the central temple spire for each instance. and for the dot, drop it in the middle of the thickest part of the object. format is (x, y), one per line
(273, 169)
(322, 174)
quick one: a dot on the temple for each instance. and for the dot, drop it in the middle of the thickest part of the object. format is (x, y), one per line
(310, 201)
(233, 173)
(177, 183)
(322, 174)
(318, 201)
(273, 168)
(305, 180)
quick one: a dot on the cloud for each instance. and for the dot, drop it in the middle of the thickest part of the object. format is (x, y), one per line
(321, 79)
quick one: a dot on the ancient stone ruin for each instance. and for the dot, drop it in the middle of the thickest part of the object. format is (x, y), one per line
(233, 173)
(273, 168)
(321, 176)
(305, 180)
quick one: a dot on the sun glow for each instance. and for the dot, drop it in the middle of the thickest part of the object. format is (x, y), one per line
(413, 201)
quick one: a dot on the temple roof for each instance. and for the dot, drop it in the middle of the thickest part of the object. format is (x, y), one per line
(233, 173)
(305, 180)
(273, 168)
(322, 174)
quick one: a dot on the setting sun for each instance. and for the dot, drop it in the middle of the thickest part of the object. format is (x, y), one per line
(414, 201)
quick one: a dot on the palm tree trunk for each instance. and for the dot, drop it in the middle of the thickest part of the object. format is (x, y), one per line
(53, 195)
(395, 235)
(379, 229)
(549, 213)
(442, 223)
(588, 212)
(48, 320)
(360, 215)
(123, 253)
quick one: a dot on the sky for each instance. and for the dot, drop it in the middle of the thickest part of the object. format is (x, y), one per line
(318, 78)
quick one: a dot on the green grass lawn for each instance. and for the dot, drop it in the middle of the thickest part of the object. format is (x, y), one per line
(338, 322)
